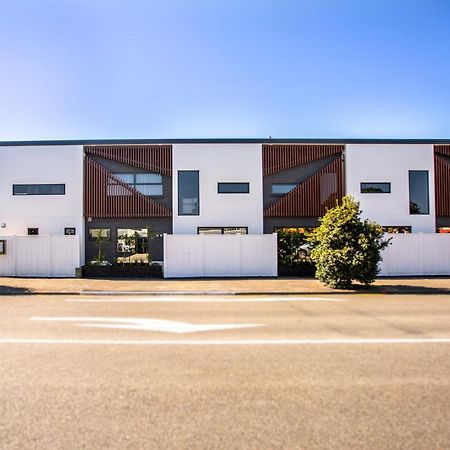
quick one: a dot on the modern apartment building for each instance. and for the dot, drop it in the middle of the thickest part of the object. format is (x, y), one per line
(131, 193)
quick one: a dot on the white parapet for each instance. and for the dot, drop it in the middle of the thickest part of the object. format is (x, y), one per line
(233, 255)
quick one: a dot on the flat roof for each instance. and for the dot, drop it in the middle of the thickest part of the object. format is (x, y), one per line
(224, 141)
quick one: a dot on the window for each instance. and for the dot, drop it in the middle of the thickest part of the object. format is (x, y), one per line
(150, 184)
(222, 230)
(375, 188)
(443, 230)
(188, 193)
(39, 189)
(282, 188)
(233, 188)
(397, 229)
(69, 231)
(33, 231)
(418, 192)
(99, 233)
(132, 245)
(2, 247)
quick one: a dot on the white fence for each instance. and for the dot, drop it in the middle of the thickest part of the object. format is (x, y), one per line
(417, 254)
(232, 255)
(40, 256)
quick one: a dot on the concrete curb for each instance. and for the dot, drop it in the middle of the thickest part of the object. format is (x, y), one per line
(405, 290)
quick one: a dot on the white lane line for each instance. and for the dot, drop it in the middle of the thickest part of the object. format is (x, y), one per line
(229, 342)
(207, 299)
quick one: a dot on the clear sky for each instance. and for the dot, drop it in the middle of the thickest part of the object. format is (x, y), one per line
(75, 69)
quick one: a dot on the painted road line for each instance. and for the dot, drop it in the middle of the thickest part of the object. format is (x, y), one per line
(147, 324)
(298, 342)
(207, 299)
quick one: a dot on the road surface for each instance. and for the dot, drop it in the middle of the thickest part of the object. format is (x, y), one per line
(188, 372)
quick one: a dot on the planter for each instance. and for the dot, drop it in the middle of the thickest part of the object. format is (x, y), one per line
(125, 271)
(305, 269)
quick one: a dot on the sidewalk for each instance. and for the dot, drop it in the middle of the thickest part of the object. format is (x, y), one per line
(274, 286)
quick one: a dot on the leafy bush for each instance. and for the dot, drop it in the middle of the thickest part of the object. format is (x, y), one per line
(346, 248)
(289, 243)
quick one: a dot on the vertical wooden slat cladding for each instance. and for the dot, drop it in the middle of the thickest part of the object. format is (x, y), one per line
(442, 149)
(285, 156)
(313, 197)
(442, 185)
(154, 158)
(131, 203)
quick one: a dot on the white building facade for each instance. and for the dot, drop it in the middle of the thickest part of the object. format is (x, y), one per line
(134, 192)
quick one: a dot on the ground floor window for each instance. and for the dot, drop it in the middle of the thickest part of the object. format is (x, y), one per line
(99, 233)
(222, 230)
(132, 246)
(443, 230)
(397, 229)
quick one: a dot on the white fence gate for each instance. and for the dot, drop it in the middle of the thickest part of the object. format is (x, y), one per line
(225, 255)
(40, 256)
(417, 254)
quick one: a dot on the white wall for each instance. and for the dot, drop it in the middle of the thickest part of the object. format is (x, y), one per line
(390, 163)
(50, 213)
(417, 254)
(221, 163)
(40, 256)
(231, 255)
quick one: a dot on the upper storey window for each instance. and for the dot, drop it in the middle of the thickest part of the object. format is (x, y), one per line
(418, 192)
(375, 188)
(282, 188)
(188, 193)
(39, 189)
(233, 188)
(146, 183)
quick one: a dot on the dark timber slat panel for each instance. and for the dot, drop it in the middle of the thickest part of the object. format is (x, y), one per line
(282, 157)
(97, 202)
(313, 197)
(442, 149)
(153, 158)
(442, 183)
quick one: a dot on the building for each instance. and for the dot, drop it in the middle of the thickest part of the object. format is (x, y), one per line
(129, 194)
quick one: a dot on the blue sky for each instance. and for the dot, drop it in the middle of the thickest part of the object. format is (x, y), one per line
(73, 69)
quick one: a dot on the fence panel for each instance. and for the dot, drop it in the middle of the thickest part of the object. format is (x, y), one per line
(417, 254)
(40, 256)
(220, 255)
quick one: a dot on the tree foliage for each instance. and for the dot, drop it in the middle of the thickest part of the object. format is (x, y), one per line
(346, 248)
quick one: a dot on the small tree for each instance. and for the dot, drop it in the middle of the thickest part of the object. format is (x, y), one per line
(346, 248)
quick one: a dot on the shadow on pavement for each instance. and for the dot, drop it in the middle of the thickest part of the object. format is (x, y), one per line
(400, 289)
(9, 290)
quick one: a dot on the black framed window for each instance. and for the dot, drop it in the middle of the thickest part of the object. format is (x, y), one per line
(33, 231)
(99, 233)
(70, 231)
(222, 230)
(2, 247)
(188, 193)
(233, 188)
(150, 184)
(375, 188)
(403, 229)
(282, 188)
(39, 189)
(418, 192)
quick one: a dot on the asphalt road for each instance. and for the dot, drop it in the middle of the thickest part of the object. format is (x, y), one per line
(359, 372)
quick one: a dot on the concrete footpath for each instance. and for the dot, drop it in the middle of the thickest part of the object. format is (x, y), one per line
(271, 286)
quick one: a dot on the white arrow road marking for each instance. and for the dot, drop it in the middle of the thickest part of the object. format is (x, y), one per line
(168, 326)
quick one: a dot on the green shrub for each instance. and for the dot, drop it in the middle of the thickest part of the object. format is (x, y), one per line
(346, 248)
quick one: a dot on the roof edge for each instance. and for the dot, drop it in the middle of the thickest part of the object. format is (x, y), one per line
(434, 141)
